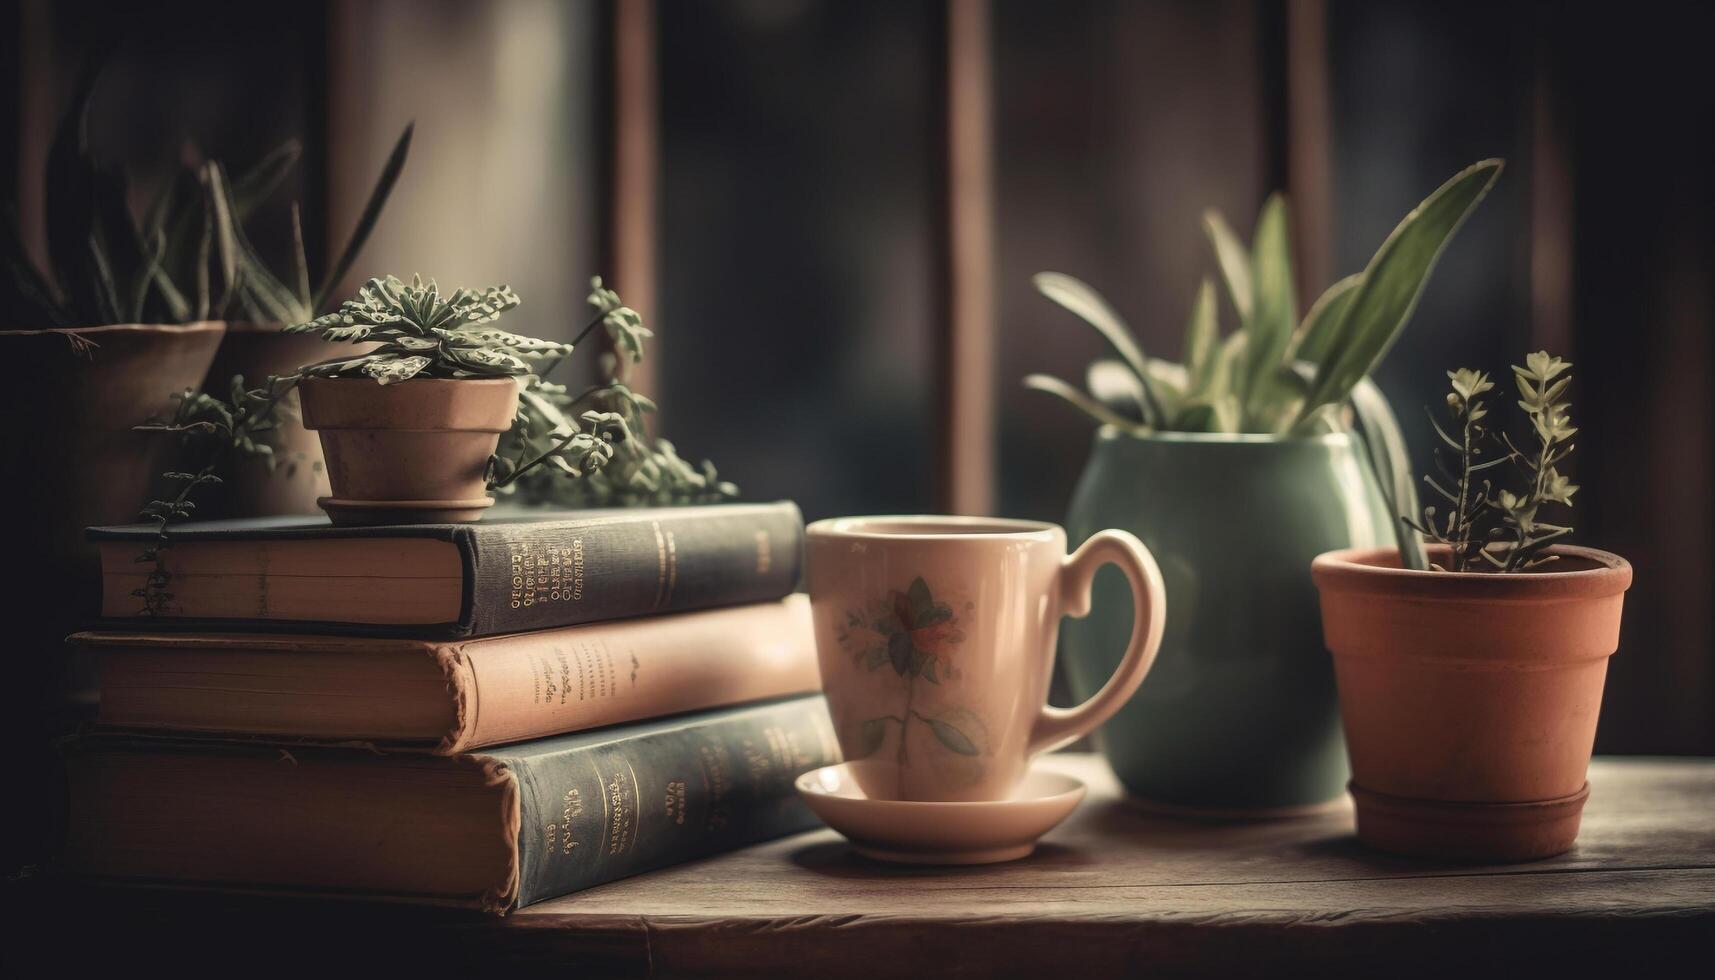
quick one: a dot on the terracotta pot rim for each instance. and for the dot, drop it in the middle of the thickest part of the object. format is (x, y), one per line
(1376, 571)
(260, 326)
(197, 326)
(1109, 433)
(315, 379)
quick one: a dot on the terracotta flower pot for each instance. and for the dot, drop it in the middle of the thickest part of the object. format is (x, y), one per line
(414, 452)
(250, 488)
(1470, 699)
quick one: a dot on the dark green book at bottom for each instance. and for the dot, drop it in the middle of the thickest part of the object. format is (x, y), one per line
(495, 829)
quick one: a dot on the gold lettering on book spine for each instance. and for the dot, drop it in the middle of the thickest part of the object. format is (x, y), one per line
(539, 575)
(558, 836)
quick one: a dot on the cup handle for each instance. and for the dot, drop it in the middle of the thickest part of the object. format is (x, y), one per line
(1057, 726)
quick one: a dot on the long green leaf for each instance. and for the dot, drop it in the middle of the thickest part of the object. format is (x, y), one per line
(1391, 464)
(1392, 283)
(225, 239)
(254, 186)
(1077, 399)
(300, 266)
(1167, 381)
(366, 221)
(1275, 400)
(1317, 332)
(1202, 338)
(266, 297)
(1274, 305)
(178, 307)
(199, 271)
(1080, 298)
(1234, 260)
(1114, 385)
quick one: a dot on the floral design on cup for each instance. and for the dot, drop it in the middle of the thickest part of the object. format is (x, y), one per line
(913, 634)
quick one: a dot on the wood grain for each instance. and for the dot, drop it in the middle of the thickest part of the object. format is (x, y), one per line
(1112, 891)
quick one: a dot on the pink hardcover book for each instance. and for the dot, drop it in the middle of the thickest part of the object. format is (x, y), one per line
(456, 695)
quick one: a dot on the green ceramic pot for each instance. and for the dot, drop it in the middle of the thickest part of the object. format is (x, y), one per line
(1239, 712)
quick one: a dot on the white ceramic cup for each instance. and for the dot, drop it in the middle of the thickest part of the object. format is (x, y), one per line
(936, 640)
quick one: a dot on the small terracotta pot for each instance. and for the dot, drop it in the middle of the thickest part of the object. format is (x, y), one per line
(1470, 699)
(414, 452)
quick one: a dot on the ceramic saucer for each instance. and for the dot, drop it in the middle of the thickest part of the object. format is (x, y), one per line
(911, 832)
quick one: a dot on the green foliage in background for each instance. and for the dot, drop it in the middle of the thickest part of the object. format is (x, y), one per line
(249, 289)
(187, 259)
(1276, 373)
(1486, 528)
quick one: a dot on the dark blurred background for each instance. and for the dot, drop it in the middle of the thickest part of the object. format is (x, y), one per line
(829, 211)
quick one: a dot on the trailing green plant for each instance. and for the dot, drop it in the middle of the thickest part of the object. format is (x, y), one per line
(1486, 528)
(213, 431)
(1276, 373)
(610, 456)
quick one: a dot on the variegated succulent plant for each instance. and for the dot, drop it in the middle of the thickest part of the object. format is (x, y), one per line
(422, 333)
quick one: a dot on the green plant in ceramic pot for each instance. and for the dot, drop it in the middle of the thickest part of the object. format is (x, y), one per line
(1470, 684)
(1236, 467)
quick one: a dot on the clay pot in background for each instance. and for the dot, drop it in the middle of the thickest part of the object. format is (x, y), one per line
(1470, 699)
(249, 488)
(413, 452)
(72, 460)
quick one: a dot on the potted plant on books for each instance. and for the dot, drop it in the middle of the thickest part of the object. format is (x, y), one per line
(443, 409)
(1470, 684)
(1236, 468)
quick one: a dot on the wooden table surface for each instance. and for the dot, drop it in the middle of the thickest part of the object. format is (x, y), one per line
(1114, 891)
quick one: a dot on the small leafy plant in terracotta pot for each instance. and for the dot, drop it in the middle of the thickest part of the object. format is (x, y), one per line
(1470, 686)
(409, 427)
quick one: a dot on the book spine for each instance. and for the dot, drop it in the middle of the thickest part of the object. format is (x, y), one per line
(532, 685)
(527, 577)
(597, 813)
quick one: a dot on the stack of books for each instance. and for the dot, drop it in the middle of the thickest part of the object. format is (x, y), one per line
(483, 715)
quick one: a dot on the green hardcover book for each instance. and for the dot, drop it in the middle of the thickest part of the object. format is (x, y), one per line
(506, 574)
(495, 829)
